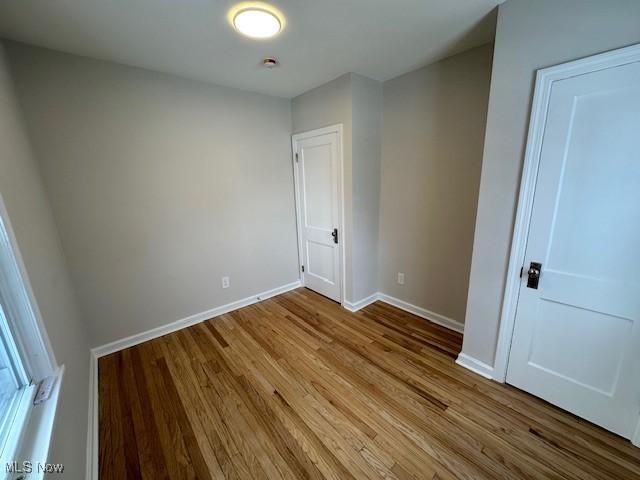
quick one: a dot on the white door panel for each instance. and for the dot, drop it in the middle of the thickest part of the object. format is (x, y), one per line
(318, 180)
(317, 173)
(576, 340)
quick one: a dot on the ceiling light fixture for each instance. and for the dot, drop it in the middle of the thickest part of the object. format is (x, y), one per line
(257, 20)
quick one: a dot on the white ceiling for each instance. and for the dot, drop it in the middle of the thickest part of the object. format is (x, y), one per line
(323, 39)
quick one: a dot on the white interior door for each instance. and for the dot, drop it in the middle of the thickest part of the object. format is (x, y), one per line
(319, 209)
(576, 340)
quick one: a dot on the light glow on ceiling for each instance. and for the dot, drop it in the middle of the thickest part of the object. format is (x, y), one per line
(256, 20)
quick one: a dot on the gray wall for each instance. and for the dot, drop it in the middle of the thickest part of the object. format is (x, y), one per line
(433, 132)
(366, 96)
(32, 221)
(160, 186)
(356, 102)
(530, 35)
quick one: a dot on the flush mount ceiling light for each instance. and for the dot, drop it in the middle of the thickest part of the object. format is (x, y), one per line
(256, 20)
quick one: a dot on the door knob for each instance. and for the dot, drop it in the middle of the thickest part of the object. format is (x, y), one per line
(533, 275)
(334, 234)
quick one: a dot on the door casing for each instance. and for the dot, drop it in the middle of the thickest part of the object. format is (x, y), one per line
(540, 105)
(337, 129)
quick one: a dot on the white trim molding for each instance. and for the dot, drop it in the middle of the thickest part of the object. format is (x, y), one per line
(96, 353)
(21, 308)
(92, 424)
(635, 440)
(475, 365)
(37, 438)
(545, 79)
(434, 317)
(360, 304)
(138, 338)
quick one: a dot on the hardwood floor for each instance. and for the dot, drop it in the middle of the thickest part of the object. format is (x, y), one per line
(297, 387)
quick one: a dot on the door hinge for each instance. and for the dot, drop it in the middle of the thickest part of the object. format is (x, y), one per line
(296, 157)
(521, 270)
(302, 268)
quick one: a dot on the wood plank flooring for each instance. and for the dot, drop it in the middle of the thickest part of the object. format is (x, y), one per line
(297, 387)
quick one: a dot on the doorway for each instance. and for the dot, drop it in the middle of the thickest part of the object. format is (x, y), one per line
(571, 317)
(317, 162)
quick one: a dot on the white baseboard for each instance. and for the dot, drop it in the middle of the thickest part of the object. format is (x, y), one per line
(355, 306)
(92, 433)
(189, 321)
(441, 320)
(635, 440)
(475, 365)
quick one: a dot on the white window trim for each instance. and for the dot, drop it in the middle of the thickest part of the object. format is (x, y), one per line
(31, 437)
(21, 417)
(35, 441)
(32, 339)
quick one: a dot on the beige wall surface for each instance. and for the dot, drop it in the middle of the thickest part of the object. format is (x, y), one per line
(530, 35)
(159, 186)
(433, 132)
(37, 237)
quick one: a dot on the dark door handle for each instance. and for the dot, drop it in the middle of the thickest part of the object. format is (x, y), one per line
(334, 234)
(533, 275)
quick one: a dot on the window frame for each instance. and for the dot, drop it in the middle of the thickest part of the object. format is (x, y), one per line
(32, 347)
(22, 312)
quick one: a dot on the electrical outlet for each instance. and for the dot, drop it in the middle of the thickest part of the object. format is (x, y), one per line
(400, 278)
(225, 282)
